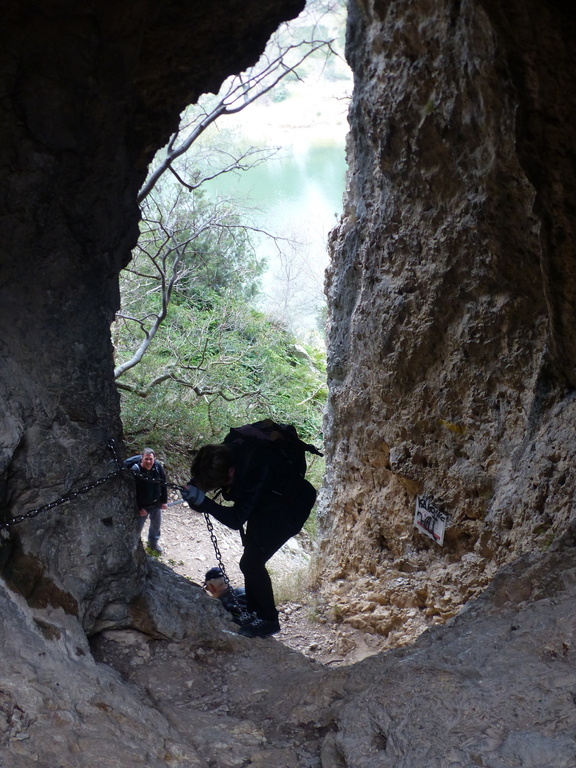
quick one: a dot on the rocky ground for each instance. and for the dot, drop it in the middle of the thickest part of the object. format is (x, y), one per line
(188, 549)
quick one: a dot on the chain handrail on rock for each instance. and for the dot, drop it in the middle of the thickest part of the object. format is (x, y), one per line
(120, 469)
(67, 497)
(243, 613)
(74, 494)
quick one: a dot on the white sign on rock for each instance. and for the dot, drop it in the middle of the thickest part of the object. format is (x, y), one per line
(430, 520)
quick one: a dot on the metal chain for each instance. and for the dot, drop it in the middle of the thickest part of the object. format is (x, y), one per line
(120, 470)
(67, 497)
(244, 614)
(74, 494)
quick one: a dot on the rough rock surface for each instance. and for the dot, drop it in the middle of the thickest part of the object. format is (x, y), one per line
(451, 373)
(452, 295)
(495, 687)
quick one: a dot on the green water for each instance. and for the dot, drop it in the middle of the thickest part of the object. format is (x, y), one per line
(305, 183)
(297, 194)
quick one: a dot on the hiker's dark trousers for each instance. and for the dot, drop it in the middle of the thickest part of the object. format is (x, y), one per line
(266, 531)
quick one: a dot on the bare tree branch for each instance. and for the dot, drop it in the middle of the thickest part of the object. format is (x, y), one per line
(240, 94)
(168, 281)
(313, 395)
(236, 164)
(143, 392)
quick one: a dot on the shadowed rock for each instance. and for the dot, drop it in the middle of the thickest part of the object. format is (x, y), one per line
(451, 359)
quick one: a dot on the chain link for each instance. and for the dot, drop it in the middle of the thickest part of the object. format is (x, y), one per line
(118, 471)
(67, 497)
(74, 494)
(244, 614)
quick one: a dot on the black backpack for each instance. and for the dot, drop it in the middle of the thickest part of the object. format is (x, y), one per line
(129, 462)
(134, 461)
(282, 438)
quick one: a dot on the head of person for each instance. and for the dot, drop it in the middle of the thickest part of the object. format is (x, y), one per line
(148, 458)
(213, 467)
(215, 583)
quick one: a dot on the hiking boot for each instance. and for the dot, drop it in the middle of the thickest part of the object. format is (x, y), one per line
(246, 617)
(155, 549)
(260, 628)
(243, 618)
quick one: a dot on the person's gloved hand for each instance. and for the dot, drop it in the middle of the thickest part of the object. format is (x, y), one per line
(194, 496)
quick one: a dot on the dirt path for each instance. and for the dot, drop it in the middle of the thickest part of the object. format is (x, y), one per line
(187, 549)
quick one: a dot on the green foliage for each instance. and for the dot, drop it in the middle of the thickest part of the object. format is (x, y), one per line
(225, 364)
(214, 361)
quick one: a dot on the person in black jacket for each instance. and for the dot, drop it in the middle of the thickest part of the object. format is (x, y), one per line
(151, 495)
(273, 502)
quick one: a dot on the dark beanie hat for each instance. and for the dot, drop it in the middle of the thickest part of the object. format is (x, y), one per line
(213, 573)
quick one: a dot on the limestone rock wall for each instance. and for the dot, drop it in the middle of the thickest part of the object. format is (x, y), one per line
(452, 294)
(451, 364)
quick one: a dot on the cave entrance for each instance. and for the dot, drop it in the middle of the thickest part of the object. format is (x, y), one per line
(223, 308)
